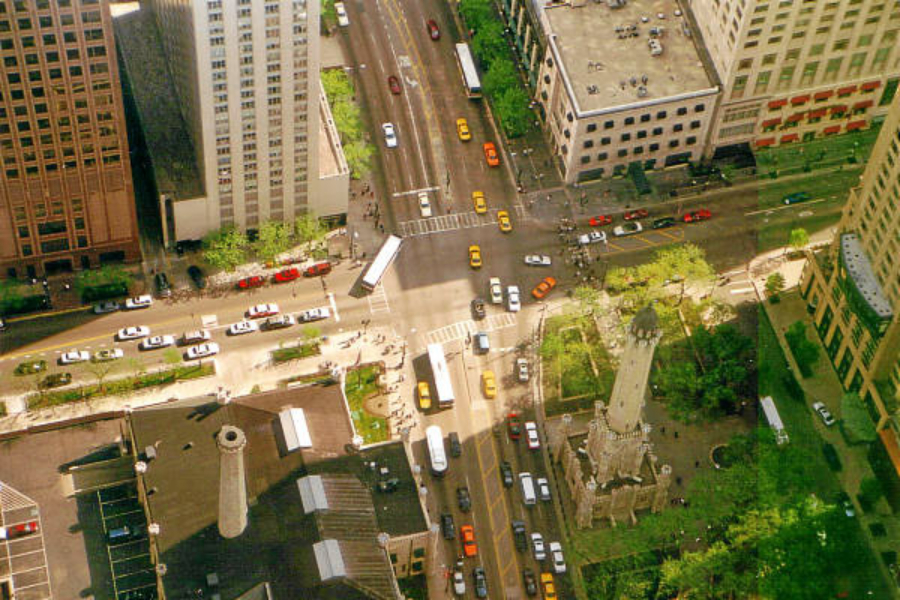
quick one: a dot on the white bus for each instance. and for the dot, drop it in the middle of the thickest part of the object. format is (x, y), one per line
(442, 384)
(468, 71)
(434, 438)
(774, 419)
(389, 251)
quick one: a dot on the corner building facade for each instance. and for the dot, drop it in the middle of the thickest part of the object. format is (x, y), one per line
(66, 193)
(852, 289)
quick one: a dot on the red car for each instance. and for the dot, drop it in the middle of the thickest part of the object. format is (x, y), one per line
(17, 531)
(697, 215)
(251, 282)
(322, 268)
(514, 424)
(640, 213)
(287, 275)
(394, 84)
(600, 220)
(433, 31)
(467, 535)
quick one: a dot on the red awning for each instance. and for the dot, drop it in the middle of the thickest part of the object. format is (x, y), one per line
(855, 125)
(818, 113)
(838, 109)
(800, 99)
(832, 129)
(765, 142)
(870, 85)
(823, 95)
(777, 104)
(791, 137)
(863, 104)
(771, 122)
(846, 90)
(795, 117)
(888, 438)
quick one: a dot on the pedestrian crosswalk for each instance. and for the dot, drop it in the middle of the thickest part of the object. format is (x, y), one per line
(463, 329)
(378, 302)
(454, 221)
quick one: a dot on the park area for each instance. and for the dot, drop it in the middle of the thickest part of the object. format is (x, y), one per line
(367, 402)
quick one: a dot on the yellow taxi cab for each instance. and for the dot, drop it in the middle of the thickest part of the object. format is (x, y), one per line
(549, 586)
(504, 222)
(489, 384)
(475, 257)
(462, 130)
(479, 202)
(490, 154)
(424, 395)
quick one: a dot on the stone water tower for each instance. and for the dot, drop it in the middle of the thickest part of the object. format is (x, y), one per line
(232, 483)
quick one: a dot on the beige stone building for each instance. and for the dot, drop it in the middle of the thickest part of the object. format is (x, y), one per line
(853, 288)
(66, 194)
(621, 84)
(798, 70)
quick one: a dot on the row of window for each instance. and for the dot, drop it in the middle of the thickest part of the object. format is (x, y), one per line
(23, 6)
(642, 134)
(51, 246)
(610, 124)
(52, 167)
(638, 150)
(26, 24)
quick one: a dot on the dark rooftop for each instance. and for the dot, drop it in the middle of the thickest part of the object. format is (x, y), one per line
(168, 141)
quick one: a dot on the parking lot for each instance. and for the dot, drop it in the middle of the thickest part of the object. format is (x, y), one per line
(125, 535)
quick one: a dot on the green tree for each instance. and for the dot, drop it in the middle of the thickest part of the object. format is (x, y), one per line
(774, 284)
(805, 352)
(308, 229)
(105, 275)
(337, 85)
(172, 356)
(347, 120)
(310, 333)
(489, 44)
(328, 14)
(871, 490)
(359, 158)
(799, 239)
(855, 420)
(102, 370)
(515, 116)
(501, 76)
(588, 298)
(226, 248)
(476, 13)
(682, 262)
(680, 386)
(274, 238)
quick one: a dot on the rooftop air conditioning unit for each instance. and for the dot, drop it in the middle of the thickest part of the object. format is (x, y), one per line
(655, 47)
(642, 92)
(616, 3)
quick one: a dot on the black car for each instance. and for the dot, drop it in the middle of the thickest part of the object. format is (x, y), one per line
(506, 474)
(478, 310)
(455, 445)
(480, 582)
(663, 223)
(520, 538)
(56, 380)
(530, 581)
(388, 486)
(31, 367)
(163, 287)
(463, 499)
(448, 528)
(197, 276)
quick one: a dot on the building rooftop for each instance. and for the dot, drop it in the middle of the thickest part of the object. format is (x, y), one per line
(606, 56)
(331, 153)
(146, 73)
(859, 268)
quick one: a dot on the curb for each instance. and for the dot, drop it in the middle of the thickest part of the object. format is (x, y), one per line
(53, 313)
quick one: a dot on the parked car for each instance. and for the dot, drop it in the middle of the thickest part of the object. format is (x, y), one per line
(543, 489)
(496, 290)
(469, 545)
(537, 546)
(530, 582)
(600, 220)
(796, 198)
(30, 367)
(342, 18)
(196, 336)
(548, 586)
(156, 342)
(108, 354)
(424, 205)
(697, 215)
(202, 351)
(133, 333)
(556, 555)
(263, 310)
(287, 275)
(19, 530)
(538, 260)
(433, 31)
(322, 268)
(490, 154)
(279, 322)
(513, 299)
(106, 307)
(144, 301)
(313, 314)
(242, 327)
(522, 370)
(74, 356)
(630, 228)
(506, 474)
(197, 276)
(459, 583)
(531, 435)
(424, 394)
(463, 499)
(640, 213)
(543, 288)
(251, 282)
(663, 222)
(591, 237)
(520, 538)
(394, 85)
(163, 287)
(478, 310)
(448, 528)
(390, 135)
(480, 582)
(455, 444)
(823, 412)
(514, 426)
(55, 380)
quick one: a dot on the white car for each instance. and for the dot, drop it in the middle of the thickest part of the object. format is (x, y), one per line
(424, 205)
(139, 302)
(390, 136)
(628, 229)
(108, 354)
(531, 435)
(459, 583)
(313, 314)
(496, 290)
(74, 356)
(537, 546)
(194, 337)
(827, 418)
(592, 237)
(263, 310)
(342, 18)
(202, 351)
(133, 333)
(522, 369)
(543, 487)
(538, 260)
(513, 300)
(242, 327)
(157, 341)
(556, 554)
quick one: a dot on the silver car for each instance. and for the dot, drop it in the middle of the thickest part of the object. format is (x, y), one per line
(537, 546)
(156, 342)
(538, 260)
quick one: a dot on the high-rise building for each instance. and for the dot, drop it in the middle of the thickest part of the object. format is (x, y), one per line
(66, 194)
(246, 76)
(801, 69)
(852, 289)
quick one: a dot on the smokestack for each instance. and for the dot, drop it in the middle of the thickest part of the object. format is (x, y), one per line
(232, 489)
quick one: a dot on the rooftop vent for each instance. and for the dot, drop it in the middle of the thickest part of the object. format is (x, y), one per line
(593, 89)
(616, 3)
(655, 47)
(642, 92)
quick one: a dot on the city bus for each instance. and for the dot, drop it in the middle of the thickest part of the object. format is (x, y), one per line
(441, 373)
(468, 71)
(434, 438)
(389, 251)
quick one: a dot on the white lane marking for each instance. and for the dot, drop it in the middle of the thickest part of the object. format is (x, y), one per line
(744, 290)
(378, 301)
(334, 309)
(432, 188)
(783, 207)
(734, 272)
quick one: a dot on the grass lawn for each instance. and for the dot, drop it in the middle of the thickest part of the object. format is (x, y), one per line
(301, 350)
(824, 150)
(360, 385)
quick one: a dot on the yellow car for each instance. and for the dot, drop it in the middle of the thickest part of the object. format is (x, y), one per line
(424, 395)
(479, 202)
(504, 222)
(462, 130)
(475, 257)
(549, 587)
(489, 384)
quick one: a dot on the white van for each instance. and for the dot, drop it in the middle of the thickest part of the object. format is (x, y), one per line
(529, 498)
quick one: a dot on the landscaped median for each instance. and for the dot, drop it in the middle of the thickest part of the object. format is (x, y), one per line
(295, 352)
(125, 385)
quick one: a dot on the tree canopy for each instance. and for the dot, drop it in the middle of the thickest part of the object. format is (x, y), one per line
(226, 248)
(856, 422)
(274, 238)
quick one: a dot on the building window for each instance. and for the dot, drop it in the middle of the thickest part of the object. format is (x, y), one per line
(682, 110)
(629, 120)
(661, 114)
(678, 127)
(609, 124)
(592, 127)
(673, 143)
(657, 130)
(626, 137)
(623, 152)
